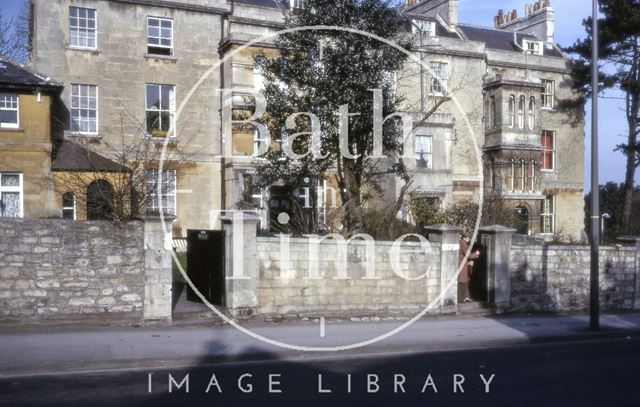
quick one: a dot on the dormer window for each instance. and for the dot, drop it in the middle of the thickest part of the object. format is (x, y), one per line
(427, 28)
(533, 47)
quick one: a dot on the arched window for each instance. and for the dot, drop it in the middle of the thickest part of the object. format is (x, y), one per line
(512, 111)
(68, 206)
(532, 112)
(523, 175)
(521, 107)
(532, 175)
(511, 176)
(492, 112)
(100, 200)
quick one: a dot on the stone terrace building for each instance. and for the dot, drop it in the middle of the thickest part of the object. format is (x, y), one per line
(139, 59)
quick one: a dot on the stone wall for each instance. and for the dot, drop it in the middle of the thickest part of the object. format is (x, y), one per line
(556, 278)
(294, 292)
(79, 270)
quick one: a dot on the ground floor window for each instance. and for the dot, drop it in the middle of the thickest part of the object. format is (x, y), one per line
(161, 195)
(69, 206)
(11, 195)
(548, 215)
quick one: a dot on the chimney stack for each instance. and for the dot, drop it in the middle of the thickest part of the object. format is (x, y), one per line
(447, 9)
(538, 20)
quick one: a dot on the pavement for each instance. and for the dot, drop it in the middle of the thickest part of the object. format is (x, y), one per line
(66, 351)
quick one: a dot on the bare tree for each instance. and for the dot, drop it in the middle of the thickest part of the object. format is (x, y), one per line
(14, 35)
(122, 180)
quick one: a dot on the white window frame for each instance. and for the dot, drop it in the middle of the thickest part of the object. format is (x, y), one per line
(13, 189)
(548, 94)
(154, 200)
(4, 100)
(160, 37)
(428, 153)
(72, 208)
(533, 47)
(97, 108)
(438, 78)
(259, 139)
(424, 27)
(551, 215)
(77, 27)
(552, 150)
(172, 108)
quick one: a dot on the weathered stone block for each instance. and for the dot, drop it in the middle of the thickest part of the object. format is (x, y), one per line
(81, 301)
(34, 293)
(130, 297)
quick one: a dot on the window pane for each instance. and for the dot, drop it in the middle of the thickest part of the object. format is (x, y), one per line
(10, 204)
(165, 121)
(167, 23)
(154, 32)
(8, 116)
(10, 180)
(153, 121)
(153, 97)
(68, 200)
(165, 97)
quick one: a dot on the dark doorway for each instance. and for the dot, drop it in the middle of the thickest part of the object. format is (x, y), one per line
(522, 220)
(479, 281)
(205, 259)
(100, 200)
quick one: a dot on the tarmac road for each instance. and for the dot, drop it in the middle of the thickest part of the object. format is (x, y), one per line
(585, 373)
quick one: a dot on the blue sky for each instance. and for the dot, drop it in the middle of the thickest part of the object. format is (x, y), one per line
(568, 15)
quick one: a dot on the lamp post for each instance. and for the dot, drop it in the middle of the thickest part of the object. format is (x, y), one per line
(594, 297)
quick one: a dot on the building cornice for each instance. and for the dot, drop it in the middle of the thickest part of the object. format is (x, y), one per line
(253, 21)
(544, 68)
(174, 5)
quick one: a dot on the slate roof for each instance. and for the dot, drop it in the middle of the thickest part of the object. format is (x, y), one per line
(500, 39)
(15, 75)
(73, 157)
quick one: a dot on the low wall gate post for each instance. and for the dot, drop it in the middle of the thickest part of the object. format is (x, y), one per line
(158, 276)
(240, 260)
(448, 238)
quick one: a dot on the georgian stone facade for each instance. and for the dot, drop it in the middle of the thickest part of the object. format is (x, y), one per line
(464, 146)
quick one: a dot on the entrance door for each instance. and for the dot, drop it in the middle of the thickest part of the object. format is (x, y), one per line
(522, 220)
(205, 265)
